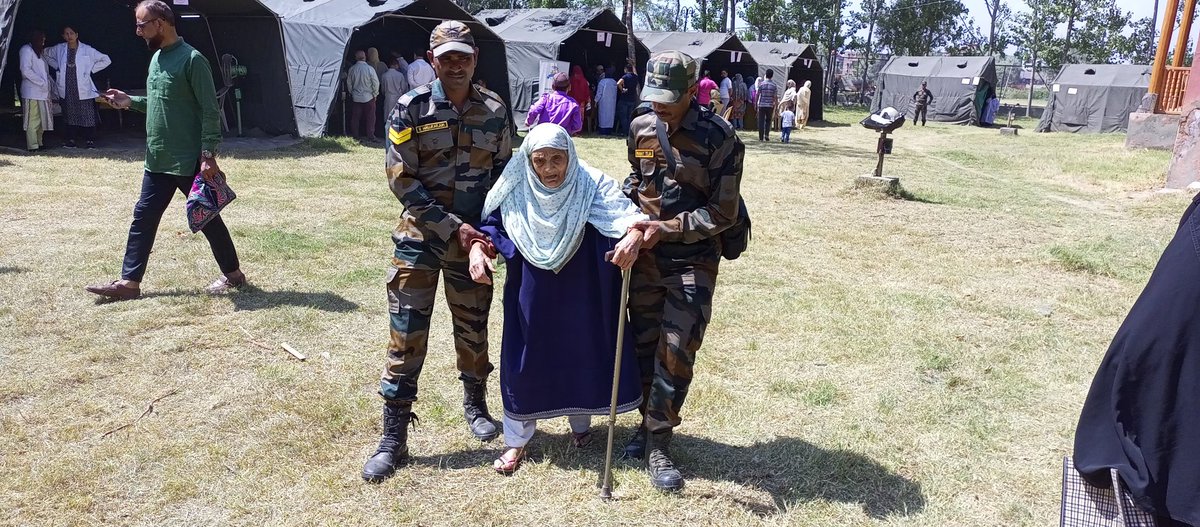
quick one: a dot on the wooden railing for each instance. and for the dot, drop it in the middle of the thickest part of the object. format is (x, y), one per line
(1174, 84)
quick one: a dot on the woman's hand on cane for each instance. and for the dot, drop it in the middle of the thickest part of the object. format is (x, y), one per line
(627, 249)
(481, 266)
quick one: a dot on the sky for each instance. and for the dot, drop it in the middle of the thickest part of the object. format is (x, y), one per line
(1140, 8)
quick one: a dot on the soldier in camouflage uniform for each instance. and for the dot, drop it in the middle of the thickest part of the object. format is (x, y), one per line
(671, 292)
(447, 143)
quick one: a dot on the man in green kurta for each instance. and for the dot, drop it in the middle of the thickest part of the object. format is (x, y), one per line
(182, 132)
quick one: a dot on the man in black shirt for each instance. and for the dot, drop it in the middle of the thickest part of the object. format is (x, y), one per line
(627, 99)
(923, 98)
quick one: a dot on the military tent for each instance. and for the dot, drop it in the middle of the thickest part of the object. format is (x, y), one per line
(1094, 98)
(295, 51)
(582, 37)
(792, 61)
(960, 86)
(716, 51)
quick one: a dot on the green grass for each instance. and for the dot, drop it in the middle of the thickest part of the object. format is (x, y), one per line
(917, 359)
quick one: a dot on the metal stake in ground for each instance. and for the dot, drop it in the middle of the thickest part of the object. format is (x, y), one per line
(606, 486)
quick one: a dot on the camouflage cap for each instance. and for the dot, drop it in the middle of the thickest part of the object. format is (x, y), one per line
(451, 35)
(668, 76)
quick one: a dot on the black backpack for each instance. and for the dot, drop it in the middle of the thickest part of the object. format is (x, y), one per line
(736, 238)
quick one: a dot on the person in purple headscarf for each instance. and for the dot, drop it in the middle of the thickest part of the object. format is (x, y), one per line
(557, 107)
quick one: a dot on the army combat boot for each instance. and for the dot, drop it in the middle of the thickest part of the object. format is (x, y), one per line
(663, 474)
(636, 447)
(393, 446)
(475, 409)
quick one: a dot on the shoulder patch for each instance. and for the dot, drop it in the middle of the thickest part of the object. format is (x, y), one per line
(415, 95)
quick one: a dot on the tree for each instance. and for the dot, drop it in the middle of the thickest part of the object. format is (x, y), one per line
(1133, 48)
(1033, 30)
(631, 56)
(766, 20)
(918, 27)
(868, 16)
(1102, 34)
(999, 16)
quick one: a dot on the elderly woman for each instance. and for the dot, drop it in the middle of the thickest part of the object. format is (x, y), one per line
(76, 62)
(788, 99)
(803, 101)
(554, 219)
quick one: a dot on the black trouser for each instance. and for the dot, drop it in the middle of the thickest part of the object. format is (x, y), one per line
(157, 191)
(922, 111)
(765, 115)
(84, 133)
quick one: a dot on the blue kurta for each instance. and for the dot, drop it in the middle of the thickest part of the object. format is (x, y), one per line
(560, 333)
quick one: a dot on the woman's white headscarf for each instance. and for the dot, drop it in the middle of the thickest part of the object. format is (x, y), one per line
(547, 224)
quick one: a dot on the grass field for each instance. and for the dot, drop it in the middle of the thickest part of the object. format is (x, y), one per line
(872, 360)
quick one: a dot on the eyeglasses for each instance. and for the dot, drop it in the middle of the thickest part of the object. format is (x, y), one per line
(141, 25)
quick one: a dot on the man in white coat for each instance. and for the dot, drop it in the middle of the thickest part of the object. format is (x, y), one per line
(393, 84)
(420, 72)
(35, 91)
(606, 103)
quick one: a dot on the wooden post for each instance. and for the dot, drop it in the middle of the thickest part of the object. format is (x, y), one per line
(879, 149)
(1159, 72)
(1185, 32)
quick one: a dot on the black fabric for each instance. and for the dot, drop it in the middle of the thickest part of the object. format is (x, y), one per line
(1140, 414)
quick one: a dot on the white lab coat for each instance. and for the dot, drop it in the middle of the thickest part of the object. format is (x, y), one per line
(35, 75)
(606, 100)
(87, 61)
(420, 73)
(394, 84)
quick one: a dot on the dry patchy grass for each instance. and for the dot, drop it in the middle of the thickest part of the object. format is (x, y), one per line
(871, 360)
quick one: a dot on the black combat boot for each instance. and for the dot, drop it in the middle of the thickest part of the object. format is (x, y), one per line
(636, 447)
(393, 446)
(663, 474)
(475, 409)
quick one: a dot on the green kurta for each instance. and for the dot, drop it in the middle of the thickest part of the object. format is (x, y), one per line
(180, 104)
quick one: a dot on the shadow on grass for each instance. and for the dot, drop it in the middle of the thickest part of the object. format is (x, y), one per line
(791, 470)
(807, 146)
(251, 298)
(903, 194)
(826, 124)
(8, 269)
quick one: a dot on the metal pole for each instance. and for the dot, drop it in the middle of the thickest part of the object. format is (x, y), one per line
(606, 487)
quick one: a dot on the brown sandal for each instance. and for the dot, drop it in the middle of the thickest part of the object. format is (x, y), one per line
(510, 461)
(581, 440)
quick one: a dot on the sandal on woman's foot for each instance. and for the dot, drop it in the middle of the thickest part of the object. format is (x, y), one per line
(581, 440)
(510, 461)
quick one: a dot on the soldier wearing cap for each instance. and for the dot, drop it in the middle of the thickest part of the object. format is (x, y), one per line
(447, 143)
(686, 172)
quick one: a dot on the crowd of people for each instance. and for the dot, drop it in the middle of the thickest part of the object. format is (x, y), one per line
(57, 81)
(573, 239)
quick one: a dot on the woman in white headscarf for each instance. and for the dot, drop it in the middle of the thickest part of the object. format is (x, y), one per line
(788, 100)
(803, 100)
(565, 231)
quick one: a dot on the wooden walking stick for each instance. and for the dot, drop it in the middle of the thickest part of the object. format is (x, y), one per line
(606, 487)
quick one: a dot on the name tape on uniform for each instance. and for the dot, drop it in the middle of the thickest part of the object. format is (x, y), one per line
(643, 153)
(440, 125)
(399, 137)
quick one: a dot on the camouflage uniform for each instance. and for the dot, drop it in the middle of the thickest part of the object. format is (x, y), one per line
(440, 165)
(671, 290)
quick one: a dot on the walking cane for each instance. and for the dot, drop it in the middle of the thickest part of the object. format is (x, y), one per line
(606, 488)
